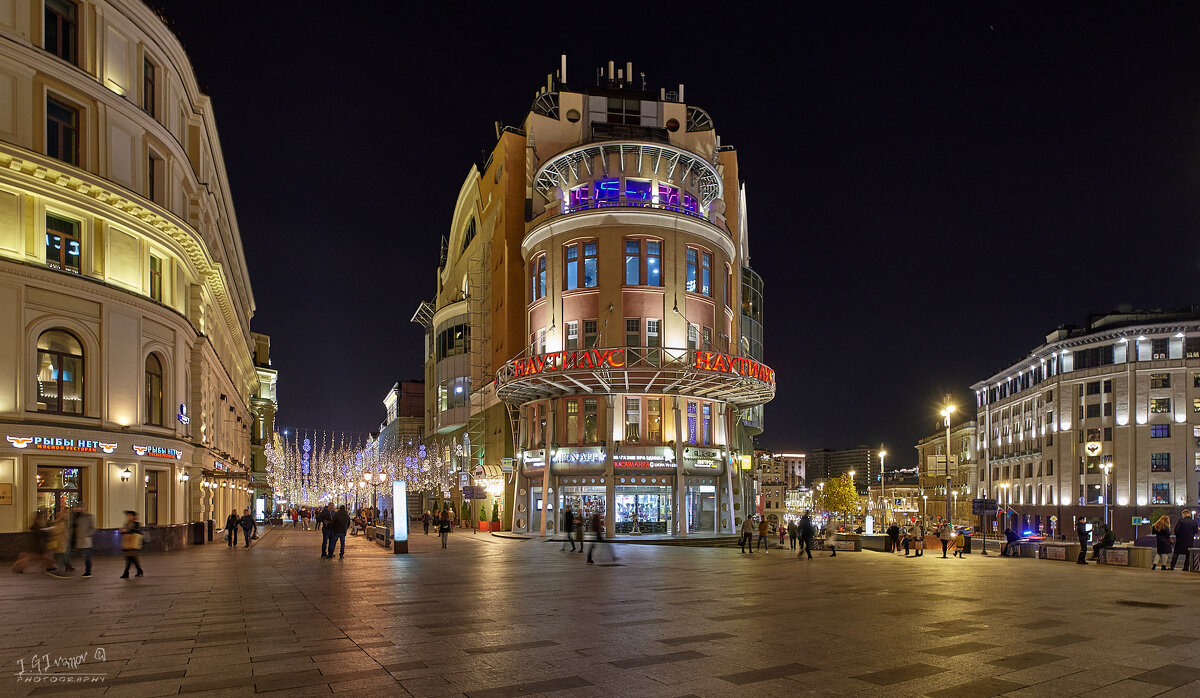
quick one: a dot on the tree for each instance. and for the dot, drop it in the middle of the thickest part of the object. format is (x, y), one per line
(839, 496)
(496, 511)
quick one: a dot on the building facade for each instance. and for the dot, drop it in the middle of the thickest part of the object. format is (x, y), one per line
(127, 368)
(264, 404)
(1103, 419)
(778, 485)
(963, 471)
(827, 464)
(586, 339)
(404, 405)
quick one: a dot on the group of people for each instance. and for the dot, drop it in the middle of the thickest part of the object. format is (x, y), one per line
(912, 539)
(798, 534)
(245, 522)
(1185, 530)
(573, 530)
(54, 541)
(444, 520)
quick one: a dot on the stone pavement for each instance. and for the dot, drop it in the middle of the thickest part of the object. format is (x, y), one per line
(492, 618)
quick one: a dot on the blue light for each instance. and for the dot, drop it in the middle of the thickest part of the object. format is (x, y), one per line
(400, 525)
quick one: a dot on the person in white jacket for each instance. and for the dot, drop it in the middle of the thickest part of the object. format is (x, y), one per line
(831, 538)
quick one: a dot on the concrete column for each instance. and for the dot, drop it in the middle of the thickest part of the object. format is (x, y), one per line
(610, 492)
(680, 492)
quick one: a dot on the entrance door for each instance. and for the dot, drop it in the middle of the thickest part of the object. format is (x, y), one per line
(58, 489)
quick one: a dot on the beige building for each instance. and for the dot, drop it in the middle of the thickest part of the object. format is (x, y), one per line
(264, 404)
(127, 368)
(932, 463)
(779, 485)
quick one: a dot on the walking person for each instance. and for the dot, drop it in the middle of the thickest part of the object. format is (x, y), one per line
(1185, 537)
(944, 536)
(37, 551)
(56, 545)
(338, 525)
(305, 514)
(1162, 543)
(806, 536)
(1081, 533)
(793, 532)
(83, 527)
(425, 519)
(920, 540)
(131, 543)
(894, 533)
(232, 523)
(960, 544)
(598, 533)
(579, 533)
(762, 536)
(568, 529)
(747, 534)
(782, 535)
(444, 527)
(831, 538)
(247, 523)
(322, 520)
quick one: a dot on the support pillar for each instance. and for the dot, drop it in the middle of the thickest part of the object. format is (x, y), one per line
(680, 493)
(610, 490)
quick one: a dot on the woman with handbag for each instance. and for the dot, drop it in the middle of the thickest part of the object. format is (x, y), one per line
(131, 543)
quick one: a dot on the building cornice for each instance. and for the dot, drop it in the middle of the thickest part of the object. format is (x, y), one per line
(649, 220)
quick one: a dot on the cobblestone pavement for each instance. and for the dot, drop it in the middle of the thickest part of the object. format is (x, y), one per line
(492, 617)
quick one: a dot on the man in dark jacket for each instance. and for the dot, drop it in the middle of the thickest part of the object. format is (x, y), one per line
(231, 528)
(247, 522)
(1082, 533)
(894, 533)
(324, 517)
(568, 528)
(1107, 540)
(1185, 537)
(806, 536)
(338, 525)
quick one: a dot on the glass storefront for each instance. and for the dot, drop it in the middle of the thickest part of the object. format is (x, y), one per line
(58, 489)
(644, 509)
(702, 508)
(585, 501)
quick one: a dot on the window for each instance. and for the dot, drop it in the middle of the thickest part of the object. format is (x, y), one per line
(668, 196)
(1160, 493)
(149, 75)
(1160, 405)
(706, 274)
(1050, 471)
(58, 490)
(1093, 410)
(61, 34)
(1191, 349)
(633, 420)
(633, 262)
(452, 341)
(1196, 404)
(541, 341)
(540, 425)
(1159, 349)
(589, 334)
(151, 513)
(691, 422)
(573, 335)
(538, 280)
(1108, 433)
(60, 373)
(624, 111)
(706, 422)
(652, 339)
(589, 264)
(62, 131)
(156, 278)
(1196, 380)
(637, 190)
(589, 420)
(154, 391)
(633, 332)
(693, 337)
(1160, 462)
(62, 243)
(693, 257)
(572, 422)
(453, 393)
(468, 233)
(578, 197)
(1160, 380)
(1093, 388)
(154, 177)
(654, 263)
(574, 278)
(608, 192)
(1160, 431)
(707, 339)
(1108, 386)
(654, 420)
(1108, 409)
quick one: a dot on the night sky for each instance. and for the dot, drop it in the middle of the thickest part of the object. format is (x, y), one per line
(929, 193)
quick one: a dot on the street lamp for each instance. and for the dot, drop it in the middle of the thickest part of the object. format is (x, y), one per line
(1106, 467)
(924, 506)
(374, 480)
(882, 484)
(946, 412)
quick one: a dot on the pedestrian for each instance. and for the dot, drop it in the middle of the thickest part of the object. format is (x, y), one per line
(568, 529)
(806, 536)
(425, 519)
(944, 536)
(322, 520)
(747, 534)
(338, 525)
(782, 535)
(598, 533)
(579, 533)
(762, 535)
(305, 514)
(894, 533)
(1107, 539)
(295, 518)
(444, 527)
(831, 538)
(908, 540)
(1185, 537)
(56, 545)
(248, 526)
(960, 544)
(1081, 532)
(920, 540)
(83, 527)
(793, 532)
(232, 523)
(131, 543)
(1162, 542)
(37, 548)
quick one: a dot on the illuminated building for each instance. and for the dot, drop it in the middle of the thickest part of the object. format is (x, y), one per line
(404, 405)
(1116, 403)
(827, 464)
(779, 484)
(931, 457)
(264, 404)
(127, 369)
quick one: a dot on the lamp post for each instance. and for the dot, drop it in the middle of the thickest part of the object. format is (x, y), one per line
(1106, 467)
(1007, 501)
(374, 480)
(853, 486)
(924, 506)
(882, 486)
(946, 412)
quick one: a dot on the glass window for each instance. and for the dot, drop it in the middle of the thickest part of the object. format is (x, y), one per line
(151, 513)
(692, 269)
(1108, 409)
(624, 111)
(589, 421)
(62, 131)
(1093, 410)
(542, 341)
(693, 337)
(1160, 405)
(1160, 493)
(654, 263)
(58, 490)
(541, 425)
(578, 197)
(654, 420)
(668, 196)
(691, 422)
(1160, 462)
(62, 243)
(633, 262)
(707, 339)
(589, 264)
(637, 191)
(148, 86)
(690, 204)
(62, 29)
(706, 274)
(1196, 404)
(608, 192)
(572, 267)
(633, 420)
(1160, 380)
(589, 334)
(1159, 349)
(572, 421)
(1108, 433)
(60, 373)
(573, 334)
(156, 278)
(633, 333)
(706, 421)
(1160, 431)
(154, 391)
(652, 333)
(538, 281)
(1093, 388)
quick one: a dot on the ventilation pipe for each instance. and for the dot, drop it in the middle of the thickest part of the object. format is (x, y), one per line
(563, 70)
(681, 92)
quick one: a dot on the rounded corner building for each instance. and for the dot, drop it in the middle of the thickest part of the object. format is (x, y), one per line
(619, 326)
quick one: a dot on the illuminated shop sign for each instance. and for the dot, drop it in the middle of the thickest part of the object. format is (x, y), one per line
(596, 457)
(183, 415)
(708, 453)
(567, 360)
(725, 363)
(55, 444)
(647, 461)
(157, 452)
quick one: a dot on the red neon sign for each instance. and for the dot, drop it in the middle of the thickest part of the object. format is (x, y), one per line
(724, 363)
(566, 360)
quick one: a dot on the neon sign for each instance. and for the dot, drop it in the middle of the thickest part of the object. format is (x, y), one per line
(158, 452)
(579, 458)
(646, 461)
(55, 444)
(566, 360)
(725, 363)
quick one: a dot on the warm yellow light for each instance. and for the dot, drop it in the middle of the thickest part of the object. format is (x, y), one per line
(882, 454)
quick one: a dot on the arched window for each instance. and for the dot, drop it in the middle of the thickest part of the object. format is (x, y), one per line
(59, 373)
(154, 390)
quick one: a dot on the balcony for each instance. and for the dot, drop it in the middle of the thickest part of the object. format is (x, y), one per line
(738, 380)
(558, 208)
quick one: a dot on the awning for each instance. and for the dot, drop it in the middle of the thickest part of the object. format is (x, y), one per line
(490, 472)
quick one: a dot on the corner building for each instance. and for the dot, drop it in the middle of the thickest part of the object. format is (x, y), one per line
(126, 358)
(1105, 414)
(628, 394)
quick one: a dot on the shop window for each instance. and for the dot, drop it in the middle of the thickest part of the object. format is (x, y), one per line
(572, 335)
(590, 424)
(151, 512)
(63, 244)
(1160, 493)
(633, 420)
(572, 436)
(1160, 462)
(154, 391)
(654, 420)
(61, 33)
(62, 131)
(60, 373)
(1160, 405)
(58, 490)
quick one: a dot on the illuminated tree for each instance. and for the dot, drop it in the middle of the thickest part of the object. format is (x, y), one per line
(839, 496)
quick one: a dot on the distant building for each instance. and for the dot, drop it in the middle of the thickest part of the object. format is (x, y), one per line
(264, 405)
(931, 460)
(778, 479)
(826, 464)
(405, 422)
(903, 503)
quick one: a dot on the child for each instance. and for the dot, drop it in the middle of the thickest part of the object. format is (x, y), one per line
(960, 543)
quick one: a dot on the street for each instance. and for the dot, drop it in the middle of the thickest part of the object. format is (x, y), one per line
(492, 617)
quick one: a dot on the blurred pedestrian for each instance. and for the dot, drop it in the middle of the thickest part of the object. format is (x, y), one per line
(782, 534)
(1162, 542)
(247, 524)
(920, 540)
(793, 532)
(944, 536)
(56, 544)
(893, 532)
(568, 529)
(36, 554)
(806, 536)
(232, 523)
(579, 532)
(960, 544)
(598, 536)
(831, 538)
(131, 543)
(425, 519)
(305, 515)
(83, 527)
(1185, 537)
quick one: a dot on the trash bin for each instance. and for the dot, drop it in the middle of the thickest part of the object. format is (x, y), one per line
(198, 533)
(209, 524)
(967, 545)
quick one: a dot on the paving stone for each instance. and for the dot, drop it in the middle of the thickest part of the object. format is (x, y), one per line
(1026, 660)
(899, 674)
(960, 648)
(1169, 675)
(980, 688)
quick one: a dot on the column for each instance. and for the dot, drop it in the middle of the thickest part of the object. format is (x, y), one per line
(610, 492)
(680, 492)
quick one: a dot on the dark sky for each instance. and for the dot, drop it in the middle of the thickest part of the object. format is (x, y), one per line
(930, 192)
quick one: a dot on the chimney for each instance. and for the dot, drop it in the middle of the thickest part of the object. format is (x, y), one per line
(563, 71)
(681, 92)
(610, 72)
